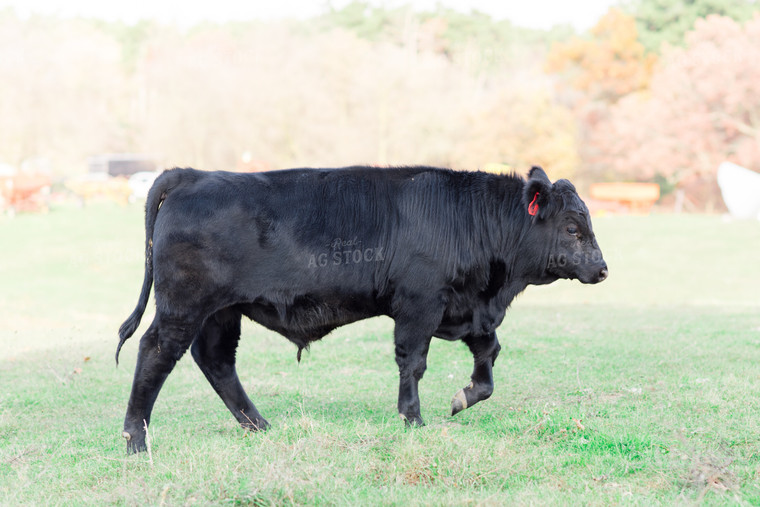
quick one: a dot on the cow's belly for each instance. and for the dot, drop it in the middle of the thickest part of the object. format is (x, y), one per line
(477, 321)
(307, 318)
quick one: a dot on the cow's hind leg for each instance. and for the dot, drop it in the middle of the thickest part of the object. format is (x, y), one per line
(214, 352)
(162, 345)
(485, 349)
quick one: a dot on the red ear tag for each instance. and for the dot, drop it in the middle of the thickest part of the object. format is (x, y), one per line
(533, 206)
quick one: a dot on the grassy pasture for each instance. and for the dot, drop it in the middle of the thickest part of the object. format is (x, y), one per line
(643, 390)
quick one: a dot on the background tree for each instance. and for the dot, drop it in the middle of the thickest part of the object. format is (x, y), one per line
(607, 65)
(521, 125)
(667, 21)
(703, 108)
(359, 85)
(59, 85)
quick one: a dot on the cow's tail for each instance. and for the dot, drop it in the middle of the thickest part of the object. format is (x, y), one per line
(156, 196)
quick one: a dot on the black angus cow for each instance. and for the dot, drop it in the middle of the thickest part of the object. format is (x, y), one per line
(303, 251)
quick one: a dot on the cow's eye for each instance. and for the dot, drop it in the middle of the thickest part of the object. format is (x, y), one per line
(572, 230)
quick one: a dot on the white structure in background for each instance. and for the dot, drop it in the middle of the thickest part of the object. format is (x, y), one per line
(140, 183)
(741, 190)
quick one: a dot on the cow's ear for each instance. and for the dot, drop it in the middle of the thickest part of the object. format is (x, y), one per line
(537, 193)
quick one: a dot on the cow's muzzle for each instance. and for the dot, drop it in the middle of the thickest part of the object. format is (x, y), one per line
(601, 274)
(594, 274)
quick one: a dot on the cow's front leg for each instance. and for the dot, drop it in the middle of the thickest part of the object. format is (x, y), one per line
(412, 344)
(485, 349)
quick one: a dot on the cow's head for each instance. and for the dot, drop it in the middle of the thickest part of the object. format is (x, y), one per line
(562, 223)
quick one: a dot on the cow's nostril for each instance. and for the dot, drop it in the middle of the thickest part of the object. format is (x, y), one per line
(603, 274)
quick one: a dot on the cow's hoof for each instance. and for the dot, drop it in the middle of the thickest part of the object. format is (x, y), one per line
(459, 402)
(258, 424)
(412, 421)
(134, 444)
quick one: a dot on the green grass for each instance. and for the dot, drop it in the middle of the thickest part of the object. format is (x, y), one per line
(642, 390)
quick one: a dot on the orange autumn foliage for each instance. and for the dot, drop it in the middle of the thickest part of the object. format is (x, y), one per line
(609, 64)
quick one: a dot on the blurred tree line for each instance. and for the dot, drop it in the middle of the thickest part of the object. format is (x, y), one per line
(664, 91)
(635, 98)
